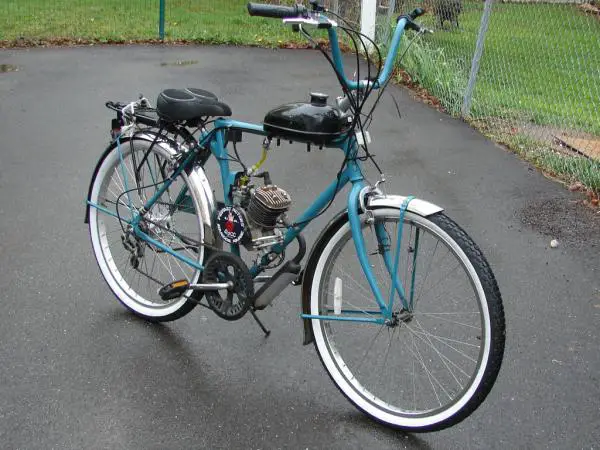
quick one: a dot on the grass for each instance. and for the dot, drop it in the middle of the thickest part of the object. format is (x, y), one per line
(570, 168)
(442, 76)
(210, 21)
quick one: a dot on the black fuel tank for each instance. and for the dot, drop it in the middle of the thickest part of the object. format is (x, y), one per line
(315, 122)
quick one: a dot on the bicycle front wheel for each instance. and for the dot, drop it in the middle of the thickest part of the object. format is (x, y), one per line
(436, 360)
(135, 269)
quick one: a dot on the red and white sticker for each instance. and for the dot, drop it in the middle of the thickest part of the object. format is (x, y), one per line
(231, 224)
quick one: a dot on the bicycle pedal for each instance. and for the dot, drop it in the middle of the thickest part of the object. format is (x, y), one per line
(173, 290)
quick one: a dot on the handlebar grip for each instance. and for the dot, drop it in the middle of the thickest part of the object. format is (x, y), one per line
(275, 11)
(410, 17)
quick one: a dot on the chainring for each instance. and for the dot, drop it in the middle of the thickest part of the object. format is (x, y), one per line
(222, 267)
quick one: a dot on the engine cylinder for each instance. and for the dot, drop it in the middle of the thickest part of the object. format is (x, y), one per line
(267, 204)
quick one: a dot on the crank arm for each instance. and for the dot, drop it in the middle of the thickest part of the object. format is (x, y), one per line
(211, 286)
(178, 288)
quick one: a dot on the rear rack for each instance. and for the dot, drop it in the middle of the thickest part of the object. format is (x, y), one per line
(144, 115)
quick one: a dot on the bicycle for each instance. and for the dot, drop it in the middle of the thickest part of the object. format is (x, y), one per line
(164, 244)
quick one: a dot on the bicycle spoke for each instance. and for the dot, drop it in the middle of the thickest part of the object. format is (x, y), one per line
(387, 352)
(443, 319)
(430, 377)
(444, 359)
(174, 258)
(439, 281)
(449, 346)
(414, 379)
(428, 269)
(420, 313)
(357, 309)
(356, 283)
(370, 346)
(408, 253)
(444, 339)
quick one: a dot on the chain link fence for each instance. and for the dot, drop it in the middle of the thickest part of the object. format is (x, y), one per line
(526, 73)
(31, 20)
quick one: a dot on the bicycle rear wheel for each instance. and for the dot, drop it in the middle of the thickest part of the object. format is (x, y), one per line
(435, 362)
(134, 269)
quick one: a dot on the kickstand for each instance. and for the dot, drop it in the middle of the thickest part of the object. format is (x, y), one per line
(260, 324)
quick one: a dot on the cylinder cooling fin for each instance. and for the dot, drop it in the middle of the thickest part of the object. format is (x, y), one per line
(267, 204)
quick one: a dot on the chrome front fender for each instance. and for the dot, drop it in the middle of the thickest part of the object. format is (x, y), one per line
(205, 203)
(416, 205)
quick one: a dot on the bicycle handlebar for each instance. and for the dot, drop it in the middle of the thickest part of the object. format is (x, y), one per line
(276, 11)
(299, 15)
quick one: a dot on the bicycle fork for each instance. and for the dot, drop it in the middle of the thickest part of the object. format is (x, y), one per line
(391, 259)
(383, 248)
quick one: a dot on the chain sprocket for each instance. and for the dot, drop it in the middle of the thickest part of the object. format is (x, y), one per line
(222, 267)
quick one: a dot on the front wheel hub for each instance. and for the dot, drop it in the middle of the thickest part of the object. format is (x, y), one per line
(399, 317)
(405, 316)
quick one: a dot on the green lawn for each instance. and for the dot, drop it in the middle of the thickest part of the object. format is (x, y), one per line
(539, 77)
(213, 21)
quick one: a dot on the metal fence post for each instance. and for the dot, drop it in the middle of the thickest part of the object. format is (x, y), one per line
(387, 26)
(161, 20)
(368, 15)
(485, 19)
(335, 6)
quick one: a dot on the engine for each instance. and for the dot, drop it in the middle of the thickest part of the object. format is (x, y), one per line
(253, 218)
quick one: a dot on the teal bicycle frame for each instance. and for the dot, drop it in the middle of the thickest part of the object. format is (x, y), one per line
(215, 140)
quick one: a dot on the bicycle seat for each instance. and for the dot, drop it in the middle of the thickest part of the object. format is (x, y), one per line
(174, 105)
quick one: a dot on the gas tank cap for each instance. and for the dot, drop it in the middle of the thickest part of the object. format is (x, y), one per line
(318, 99)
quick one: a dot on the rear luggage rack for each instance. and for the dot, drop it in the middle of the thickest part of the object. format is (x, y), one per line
(144, 115)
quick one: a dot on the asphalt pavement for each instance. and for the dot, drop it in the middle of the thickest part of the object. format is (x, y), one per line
(77, 371)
